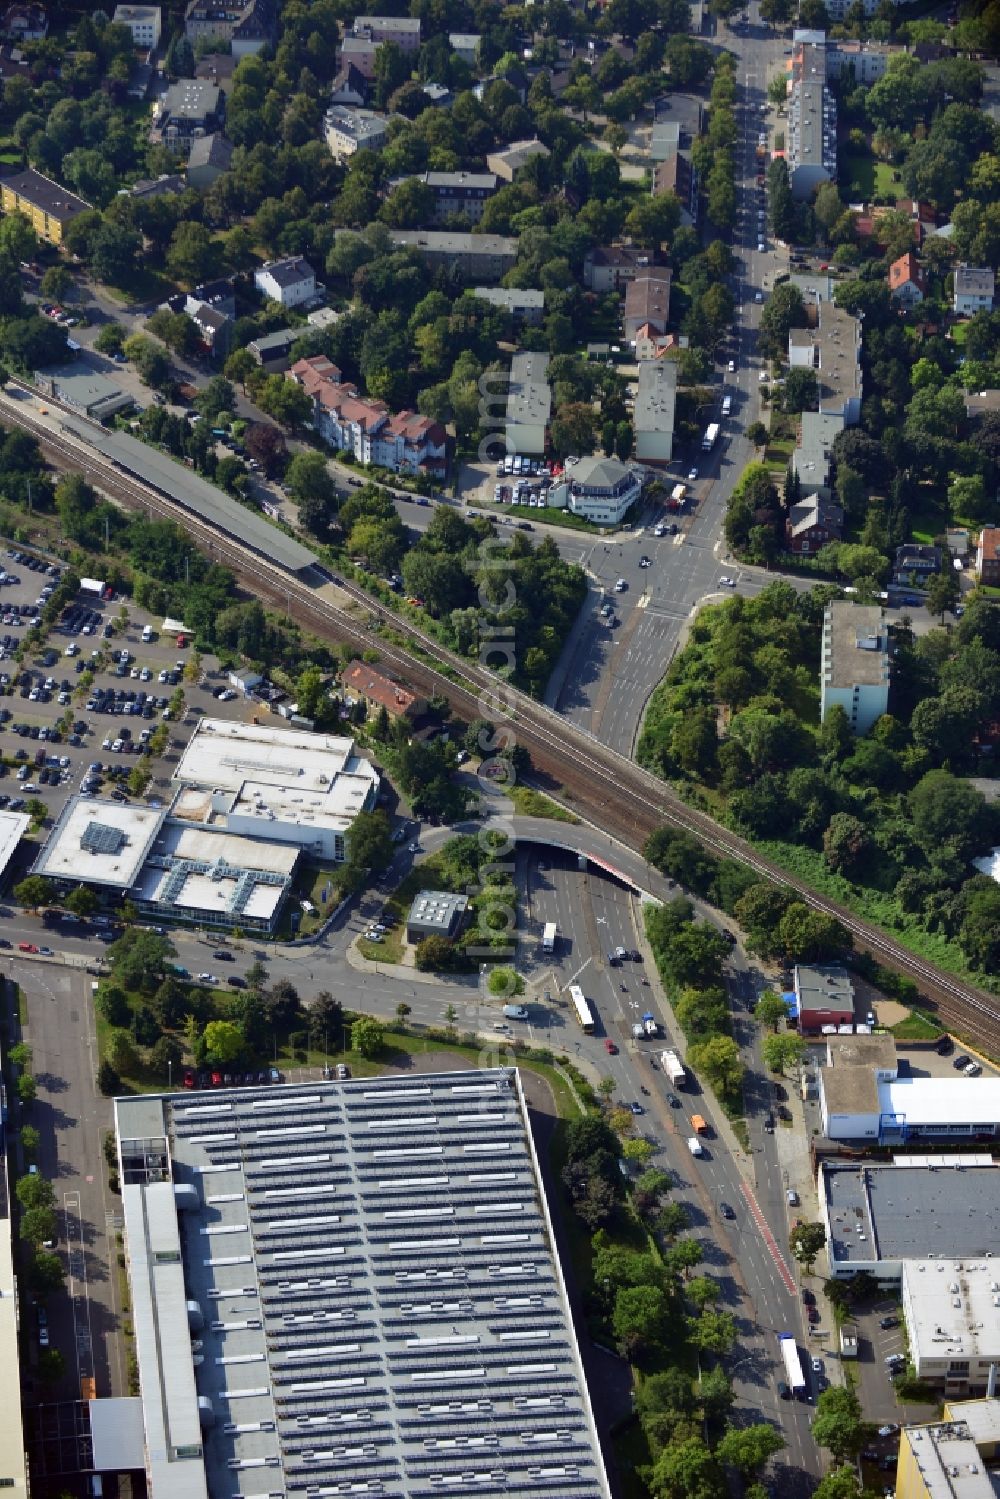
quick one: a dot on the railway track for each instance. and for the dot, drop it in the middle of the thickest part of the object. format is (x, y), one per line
(606, 787)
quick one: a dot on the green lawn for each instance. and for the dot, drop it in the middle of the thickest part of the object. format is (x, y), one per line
(857, 174)
(531, 803)
(916, 1027)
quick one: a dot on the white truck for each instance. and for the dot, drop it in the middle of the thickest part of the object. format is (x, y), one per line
(673, 1067)
(649, 1026)
(695, 1146)
(549, 935)
(710, 438)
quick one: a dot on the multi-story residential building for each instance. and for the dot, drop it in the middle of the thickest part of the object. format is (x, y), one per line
(811, 150)
(359, 52)
(974, 288)
(907, 284)
(464, 193)
(529, 403)
(812, 458)
(833, 349)
(988, 556)
(347, 130)
(653, 412)
(291, 281)
(465, 45)
(513, 158)
(676, 174)
(25, 22)
(476, 257)
(647, 303)
(47, 206)
(191, 107)
(854, 671)
(611, 267)
(916, 563)
(811, 524)
(403, 31)
(406, 443)
(209, 157)
(857, 62)
(524, 305)
(144, 22)
(247, 25)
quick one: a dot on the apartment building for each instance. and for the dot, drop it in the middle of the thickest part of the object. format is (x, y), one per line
(191, 107)
(144, 22)
(48, 207)
(247, 25)
(347, 130)
(833, 349)
(854, 670)
(465, 193)
(465, 45)
(291, 281)
(973, 291)
(403, 31)
(811, 151)
(812, 458)
(611, 267)
(654, 410)
(988, 556)
(859, 62)
(647, 303)
(676, 174)
(406, 443)
(529, 404)
(513, 158)
(525, 305)
(476, 257)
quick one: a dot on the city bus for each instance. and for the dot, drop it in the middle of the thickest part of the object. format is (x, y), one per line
(584, 1013)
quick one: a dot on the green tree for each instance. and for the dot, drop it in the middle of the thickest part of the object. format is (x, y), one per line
(51, 1366)
(718, 1061)
(367, 1037)
(166, 1056)
(505, 983)
(839, 1483)
(687, 1470)
(121, 1053)
(82, 901)
(224, 1042)
(47, 1273)
(35, 1191)
(311, 486)
(946, 812)
(783, 1050)
(108, 1081)
(33, 892)
(749, 1448)
(712, 1331)
(639, 1319)
(770, 1010)
(838, 1425)
(30, 1141)
(38, 1225)
(943, 591)
(805, 1241)
(193, 254)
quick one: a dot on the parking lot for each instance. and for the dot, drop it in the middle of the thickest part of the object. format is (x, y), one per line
(78, 711)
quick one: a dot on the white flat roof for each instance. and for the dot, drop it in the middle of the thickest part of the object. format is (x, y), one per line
(12, 1464)
(13, 826)
(101, 842)
(213, 889)
(951, 1308)
(225, 755)
(942, 1100)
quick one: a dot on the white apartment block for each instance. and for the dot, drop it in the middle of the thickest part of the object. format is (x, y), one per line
(854, 671)
(144, 22)
(405, 443)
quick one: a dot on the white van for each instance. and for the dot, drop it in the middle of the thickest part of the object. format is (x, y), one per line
(695, 1146)
(727, 405)
(147, 634)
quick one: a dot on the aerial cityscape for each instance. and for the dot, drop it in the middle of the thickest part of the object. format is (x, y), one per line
(500, 660)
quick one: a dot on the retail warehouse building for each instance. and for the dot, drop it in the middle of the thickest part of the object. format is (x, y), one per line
(350, 1288)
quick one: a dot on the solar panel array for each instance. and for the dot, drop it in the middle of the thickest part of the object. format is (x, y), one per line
(383, 1311)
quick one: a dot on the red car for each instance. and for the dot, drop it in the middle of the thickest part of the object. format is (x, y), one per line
(216, 1079)
(189, 1078)
(824, 267)
(26, 947)
(610, 1047)
(813, 1314)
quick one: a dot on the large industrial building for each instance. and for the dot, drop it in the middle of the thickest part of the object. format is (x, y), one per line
(350, 1289)
(954, 1458)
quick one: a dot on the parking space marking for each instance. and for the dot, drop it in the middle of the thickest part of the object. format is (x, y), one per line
(769, 1239)
(76, 1285)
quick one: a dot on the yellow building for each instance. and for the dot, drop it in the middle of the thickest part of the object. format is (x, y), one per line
(48, 207)
(949, 1459)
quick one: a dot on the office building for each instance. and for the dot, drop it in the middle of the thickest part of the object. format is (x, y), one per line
(481, 258)
(653, 412)
(144, 22)
(436, 913)
(855, 666)
(811, 150)
(85, 390)
(284, 785)
(602, 490)
(952, 1313)
(350, 1286)
(48, 207)
(529, 404)
(954, 1458)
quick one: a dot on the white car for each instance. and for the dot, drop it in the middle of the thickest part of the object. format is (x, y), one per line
(761, 247)
(817, 1366)
(207, 978)
(758, 296)
(414, 848)
(692, 475)
(727, 582)
(763, 377)
(732, 366)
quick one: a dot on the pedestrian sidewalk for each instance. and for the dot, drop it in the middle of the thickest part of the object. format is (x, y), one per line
(822, 1338)
(568, 655)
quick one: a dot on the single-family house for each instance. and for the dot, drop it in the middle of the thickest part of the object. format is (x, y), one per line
(973, 291)
(209, 157)
(907, 283)
(290, 281)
